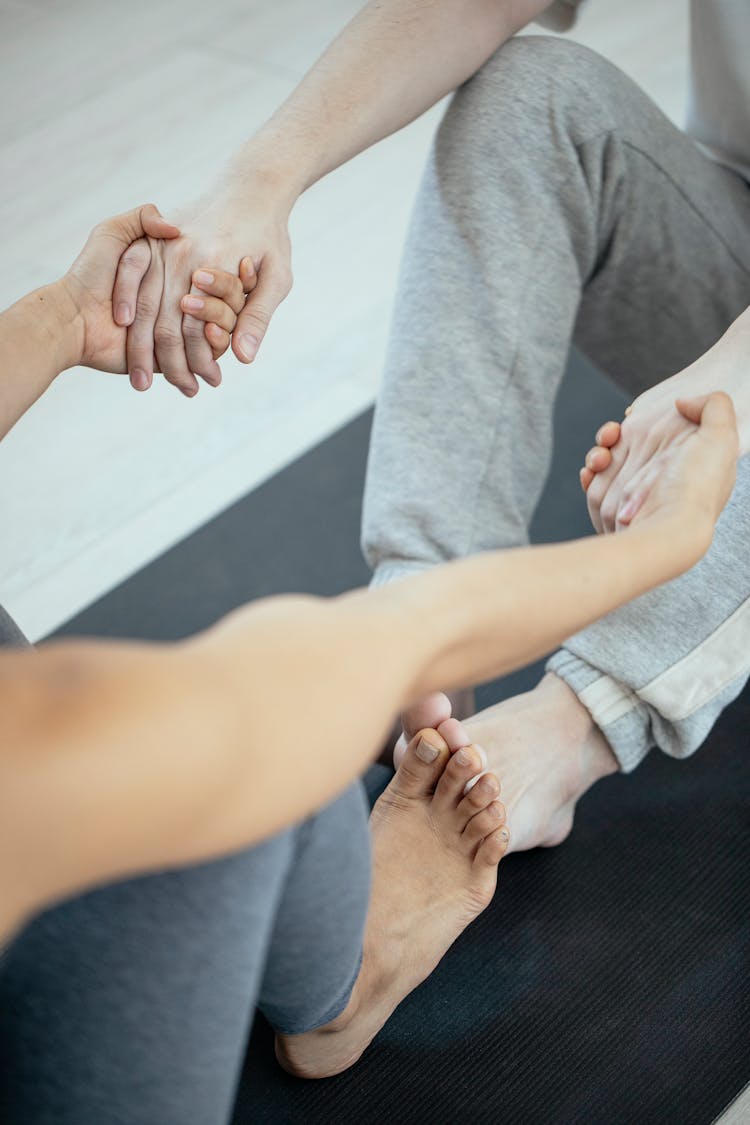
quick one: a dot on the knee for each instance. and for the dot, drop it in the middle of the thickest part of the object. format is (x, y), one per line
(533, 86)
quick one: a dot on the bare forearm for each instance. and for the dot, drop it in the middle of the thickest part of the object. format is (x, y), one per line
(485, 616)
(392, 62)
(38, 340)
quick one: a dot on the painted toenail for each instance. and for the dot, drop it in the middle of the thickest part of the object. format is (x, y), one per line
(425, 751)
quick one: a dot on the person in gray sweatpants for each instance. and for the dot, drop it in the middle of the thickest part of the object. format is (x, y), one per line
(559, 204)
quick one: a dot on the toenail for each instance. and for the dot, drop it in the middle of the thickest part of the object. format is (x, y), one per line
(472, 782)
(504, 834)
(425, 751)
(482, 756)
(464, 758)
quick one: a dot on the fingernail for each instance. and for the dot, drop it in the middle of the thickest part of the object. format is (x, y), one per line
(203, 277)
(425, 751)
(248, 346)
(193, 303)
(122, 314)
(139, 379)
(189, 392)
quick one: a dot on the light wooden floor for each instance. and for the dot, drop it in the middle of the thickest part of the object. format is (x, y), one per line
(106, 105)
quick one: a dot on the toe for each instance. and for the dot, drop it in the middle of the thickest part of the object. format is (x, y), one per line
(454, 734)
(422, 763)
(493, 847)
(431, 711)
(479, 796)
(450, 730)
(463, 765)
(484, 823)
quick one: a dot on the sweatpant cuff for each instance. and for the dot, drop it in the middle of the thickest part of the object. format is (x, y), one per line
(621, 716)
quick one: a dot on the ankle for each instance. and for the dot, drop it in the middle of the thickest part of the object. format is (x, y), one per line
(590, 756)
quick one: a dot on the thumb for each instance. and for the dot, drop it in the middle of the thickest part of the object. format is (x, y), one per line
(714, 411)
(154, 224)
(135, 224)
(252, 323)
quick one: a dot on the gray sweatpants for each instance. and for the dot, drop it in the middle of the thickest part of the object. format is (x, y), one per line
(559, 204)
(132, 1005)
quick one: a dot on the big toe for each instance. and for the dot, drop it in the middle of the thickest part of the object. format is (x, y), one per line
(429, 712)
(421, 765)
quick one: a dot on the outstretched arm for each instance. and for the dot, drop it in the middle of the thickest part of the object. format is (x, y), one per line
(391, 63)
(119, 758)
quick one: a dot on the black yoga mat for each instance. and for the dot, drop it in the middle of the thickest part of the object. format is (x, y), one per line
(608, 982)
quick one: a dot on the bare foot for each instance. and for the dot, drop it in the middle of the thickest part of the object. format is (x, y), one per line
(627, 458)
(545, 747)
(435, 857)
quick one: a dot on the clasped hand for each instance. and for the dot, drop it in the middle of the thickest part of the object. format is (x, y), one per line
(160, 295)
(91, 280)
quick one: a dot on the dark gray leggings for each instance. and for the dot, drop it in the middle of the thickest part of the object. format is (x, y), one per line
(132, 1004)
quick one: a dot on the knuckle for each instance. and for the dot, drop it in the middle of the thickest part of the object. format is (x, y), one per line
(192, 330)
(146, 306)
(166, 336)
(258, 319)
(136, 257)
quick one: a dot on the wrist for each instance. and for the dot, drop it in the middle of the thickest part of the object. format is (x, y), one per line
(57, 325)
(68, 323)
(267, 170)
(676, 539)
